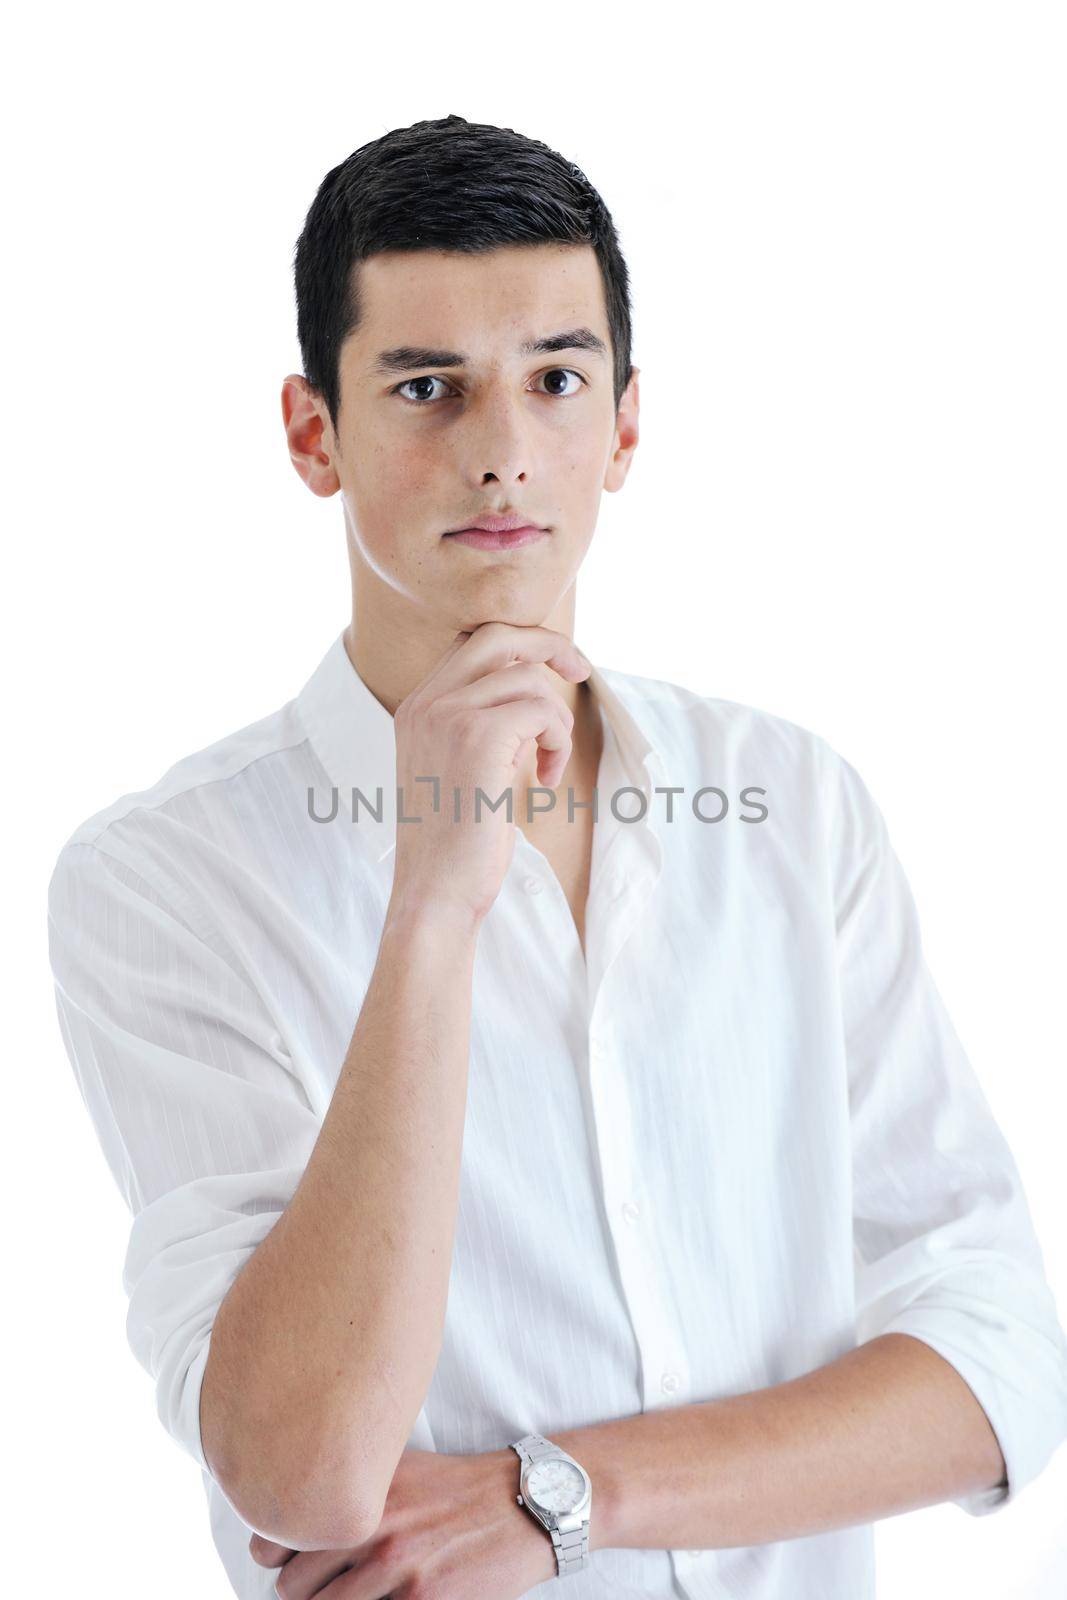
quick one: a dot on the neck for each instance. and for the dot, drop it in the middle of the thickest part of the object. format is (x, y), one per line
(394, 644)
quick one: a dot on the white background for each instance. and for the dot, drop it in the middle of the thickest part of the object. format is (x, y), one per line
(845, 228)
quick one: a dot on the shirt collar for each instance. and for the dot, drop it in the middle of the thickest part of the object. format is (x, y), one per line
(352, 735)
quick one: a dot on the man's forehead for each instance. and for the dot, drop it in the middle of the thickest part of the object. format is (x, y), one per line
(466, 299)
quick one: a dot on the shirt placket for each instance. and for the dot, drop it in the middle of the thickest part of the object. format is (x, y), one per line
(625, 870)
(622, 886)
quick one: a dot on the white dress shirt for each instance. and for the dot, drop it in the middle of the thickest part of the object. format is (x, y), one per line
(735, 1139)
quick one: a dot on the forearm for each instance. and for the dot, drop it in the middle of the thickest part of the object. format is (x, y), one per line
(887, 1428)
(324, 1348)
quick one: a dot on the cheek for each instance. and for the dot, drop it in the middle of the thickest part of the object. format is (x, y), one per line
(397, 501)
(395, 491)
(580, 457)
(405, 475)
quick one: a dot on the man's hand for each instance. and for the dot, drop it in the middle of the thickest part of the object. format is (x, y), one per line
(469, 725)
(451, 1528)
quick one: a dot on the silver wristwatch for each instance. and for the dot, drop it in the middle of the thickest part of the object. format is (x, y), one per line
(556, 1490)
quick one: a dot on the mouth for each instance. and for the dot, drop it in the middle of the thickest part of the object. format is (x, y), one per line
(498, 538)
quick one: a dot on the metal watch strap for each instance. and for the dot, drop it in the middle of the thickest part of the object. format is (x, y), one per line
(571, 1543)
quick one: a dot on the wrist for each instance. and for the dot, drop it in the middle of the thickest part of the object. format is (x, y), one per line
(415, 916)
(532, 1547)
(592, 1447)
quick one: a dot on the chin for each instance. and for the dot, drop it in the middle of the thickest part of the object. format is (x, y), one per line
(522, 604)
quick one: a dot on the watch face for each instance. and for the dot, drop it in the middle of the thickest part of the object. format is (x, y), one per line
(556, 1486)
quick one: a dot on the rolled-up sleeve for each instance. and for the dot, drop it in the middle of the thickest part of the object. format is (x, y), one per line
(945, 1246)
(204, 1124)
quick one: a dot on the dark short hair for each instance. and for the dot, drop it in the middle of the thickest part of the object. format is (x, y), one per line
(448, 184)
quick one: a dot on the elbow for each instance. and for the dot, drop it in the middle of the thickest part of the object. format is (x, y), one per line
(298, 1530)
(309, 1509)
(306, 1507)
(301, 1519)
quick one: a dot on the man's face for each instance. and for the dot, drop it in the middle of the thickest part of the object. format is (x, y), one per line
(422, 448)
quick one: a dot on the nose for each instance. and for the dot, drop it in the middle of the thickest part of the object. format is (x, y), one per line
(497, 446)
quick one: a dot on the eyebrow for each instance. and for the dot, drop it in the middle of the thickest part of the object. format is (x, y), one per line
(407, 356)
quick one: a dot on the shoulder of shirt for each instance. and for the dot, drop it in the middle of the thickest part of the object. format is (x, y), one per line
(215, 765)
(667, 708)
(724, 735)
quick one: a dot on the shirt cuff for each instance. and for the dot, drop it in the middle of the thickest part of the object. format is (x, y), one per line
(1021, 1387)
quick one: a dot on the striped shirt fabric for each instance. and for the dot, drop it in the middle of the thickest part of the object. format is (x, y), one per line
(731, 1140)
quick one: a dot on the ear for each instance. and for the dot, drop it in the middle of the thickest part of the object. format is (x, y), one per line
(309, 435)
(626, 434)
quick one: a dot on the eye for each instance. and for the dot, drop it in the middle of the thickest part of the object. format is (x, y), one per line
(556, 372)
(413, 400)
(428, 399)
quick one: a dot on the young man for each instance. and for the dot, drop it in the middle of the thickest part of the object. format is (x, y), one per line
(600, 1194)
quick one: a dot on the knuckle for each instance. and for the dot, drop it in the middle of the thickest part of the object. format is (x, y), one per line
(426, 1589)
(387, 1547)
(466, 731)
(439, 712)
(525, 679)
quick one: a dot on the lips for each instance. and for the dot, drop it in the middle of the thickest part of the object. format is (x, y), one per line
(495, 522)
(491, 539)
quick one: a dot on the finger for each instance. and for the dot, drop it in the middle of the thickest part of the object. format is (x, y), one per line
(538, 719)
(522, 681)
(267, 1553)
(498, 644)
(312, 1571)
(526, 683)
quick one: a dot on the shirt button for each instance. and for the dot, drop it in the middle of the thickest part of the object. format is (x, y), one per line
(669, 1382)
(532, 885)
(631, 1210)
(597, 1048)
(616, 885)
(694, 1553)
